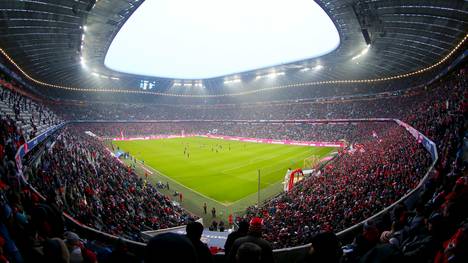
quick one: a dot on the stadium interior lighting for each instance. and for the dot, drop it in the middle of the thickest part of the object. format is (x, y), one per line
(362, 53)
(270, 75)
(275, 74)
(83, 62)
(198, 84)
(103, 76)
(231, 81)
(334, 82)
(229, 36)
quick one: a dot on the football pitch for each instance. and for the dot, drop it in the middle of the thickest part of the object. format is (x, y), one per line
(224, 171)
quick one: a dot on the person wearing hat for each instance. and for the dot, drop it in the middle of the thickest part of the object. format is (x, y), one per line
(78, 252)
(254, 236)
(72, 240)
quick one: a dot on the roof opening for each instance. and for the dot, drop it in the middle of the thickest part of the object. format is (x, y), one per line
(188, 39)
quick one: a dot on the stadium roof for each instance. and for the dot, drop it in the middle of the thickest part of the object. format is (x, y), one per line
(63, 43)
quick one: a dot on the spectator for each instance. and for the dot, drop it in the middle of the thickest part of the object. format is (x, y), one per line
(254, 236)
(79, 176)
(240, 232)
(221, 226)
(55, 251)
(170, 247)
(249, 253)
(194, 232)
(78, 252)
(98, 188)
(213, 212)
(120, 254)
(325, 248)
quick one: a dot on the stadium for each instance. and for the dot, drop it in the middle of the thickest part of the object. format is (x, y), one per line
(233, 131)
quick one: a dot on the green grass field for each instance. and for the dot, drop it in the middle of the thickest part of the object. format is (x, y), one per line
(220, 171)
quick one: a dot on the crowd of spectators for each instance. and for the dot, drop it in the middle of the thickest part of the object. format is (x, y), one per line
(31, 229)
(368, 107)
(436, 229)
(29, 116)
(360, 183)
(79, 176)
(317, 131)
(100, 191)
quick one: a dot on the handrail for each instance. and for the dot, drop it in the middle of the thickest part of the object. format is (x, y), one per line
(31, 144)
(240, 120)
(387, 209)
(276, 251)
(87, 228)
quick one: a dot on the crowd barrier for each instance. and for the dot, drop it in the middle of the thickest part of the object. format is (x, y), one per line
(347, 235)
(79, 228)
(31, 144)
(281, 255)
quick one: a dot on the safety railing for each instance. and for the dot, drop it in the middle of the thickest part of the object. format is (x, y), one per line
(281, 255)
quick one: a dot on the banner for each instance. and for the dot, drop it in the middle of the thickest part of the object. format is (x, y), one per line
(272, 141)
(235, 138)
(429, 145)
(31, 144)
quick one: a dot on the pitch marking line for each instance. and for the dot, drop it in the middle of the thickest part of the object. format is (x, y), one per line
(173, 180)
(146, 169)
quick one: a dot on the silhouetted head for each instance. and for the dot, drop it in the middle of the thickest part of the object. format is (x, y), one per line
(249, 253)
(243, 226)
(170, 247)
(194, 230)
